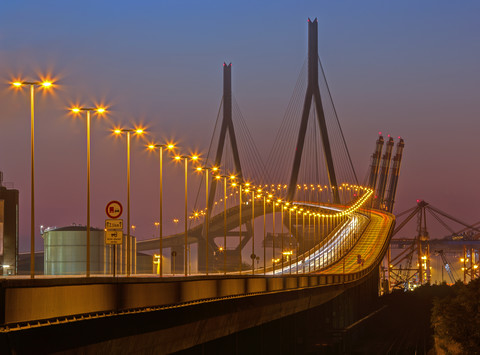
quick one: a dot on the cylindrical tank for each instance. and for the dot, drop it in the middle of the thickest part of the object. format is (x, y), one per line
(66, 252)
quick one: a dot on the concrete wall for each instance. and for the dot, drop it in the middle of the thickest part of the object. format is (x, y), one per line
(40, 299)
(170, 329)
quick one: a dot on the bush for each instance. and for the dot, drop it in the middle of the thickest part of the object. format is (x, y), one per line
(456, 319)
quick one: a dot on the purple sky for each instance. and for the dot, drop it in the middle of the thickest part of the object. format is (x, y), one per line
(407, 68)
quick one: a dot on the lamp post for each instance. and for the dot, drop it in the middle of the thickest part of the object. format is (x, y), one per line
(160, 147)
(281, 232)
(273, 232)
(264, 234)
(239, 225)
(231, 177)
(296, 238)
(88, 110)
(206, 169)
(303, 239)
(46, 84)
(138, 131)
(253, 256)
(185, 159)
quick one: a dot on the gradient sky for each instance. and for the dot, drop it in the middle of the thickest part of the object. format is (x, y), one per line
(407, 68)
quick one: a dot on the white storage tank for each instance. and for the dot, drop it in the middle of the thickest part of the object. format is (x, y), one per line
(66, 252)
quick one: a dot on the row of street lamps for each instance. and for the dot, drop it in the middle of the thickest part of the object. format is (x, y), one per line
(48, 84)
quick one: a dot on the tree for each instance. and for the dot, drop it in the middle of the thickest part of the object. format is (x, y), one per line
(456, 319)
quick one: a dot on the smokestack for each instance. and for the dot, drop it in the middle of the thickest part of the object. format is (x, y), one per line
(382, 183)
(394, 173)
(372, 180)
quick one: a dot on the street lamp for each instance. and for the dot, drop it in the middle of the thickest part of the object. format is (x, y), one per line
(225, 177)
(239, 224)
(160, 147)
(45, 84)
(206, 169)
(303, 239)
(296, 238)
(253, 256)
(185, 158)
(281, 232)
(129, 131)
(264, 233)
(88, 110)
(274, 203)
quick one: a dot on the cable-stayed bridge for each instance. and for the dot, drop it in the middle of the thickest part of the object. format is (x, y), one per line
(311, 232)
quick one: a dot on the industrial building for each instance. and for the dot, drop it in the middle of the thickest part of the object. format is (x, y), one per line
(8, 229)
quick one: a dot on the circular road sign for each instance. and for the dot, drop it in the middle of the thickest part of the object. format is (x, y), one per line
(114, 209)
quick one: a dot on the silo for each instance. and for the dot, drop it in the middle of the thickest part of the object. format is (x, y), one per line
(65, 251)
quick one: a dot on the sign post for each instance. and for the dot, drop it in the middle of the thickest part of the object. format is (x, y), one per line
(114, 229)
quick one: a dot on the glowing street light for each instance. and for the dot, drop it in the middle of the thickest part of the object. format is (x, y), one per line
(137, 131)
(45, 84)
(100, 111)
(160, 147)
(178, 158)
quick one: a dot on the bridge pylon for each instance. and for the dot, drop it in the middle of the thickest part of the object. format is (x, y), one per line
(227, 127)
(313, 94)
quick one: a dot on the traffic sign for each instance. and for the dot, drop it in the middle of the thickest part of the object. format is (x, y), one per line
(114, 209)
(113, 237)
(113, 224)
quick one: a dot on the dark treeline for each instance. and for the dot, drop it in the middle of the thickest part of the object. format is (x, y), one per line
(456, 319)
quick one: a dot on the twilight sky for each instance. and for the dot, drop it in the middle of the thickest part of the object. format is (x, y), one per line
(407, 68)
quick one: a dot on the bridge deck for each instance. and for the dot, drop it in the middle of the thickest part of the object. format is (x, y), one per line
(26, 300)
(371, 246)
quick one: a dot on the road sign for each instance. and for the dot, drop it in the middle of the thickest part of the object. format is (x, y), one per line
(113, 224)
(113, 237)
(114, 209)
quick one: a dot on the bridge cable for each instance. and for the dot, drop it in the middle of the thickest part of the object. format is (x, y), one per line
(258, 165)
(199, 190)
(338, 121)
(280, 152)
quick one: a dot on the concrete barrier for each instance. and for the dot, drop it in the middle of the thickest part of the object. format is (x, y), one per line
(256, 285)
(290, 282)
(28, 300)
(193, 290)
(275, 284)
(231, 287)
(135, 295)
(31, 303)
(303, 281)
